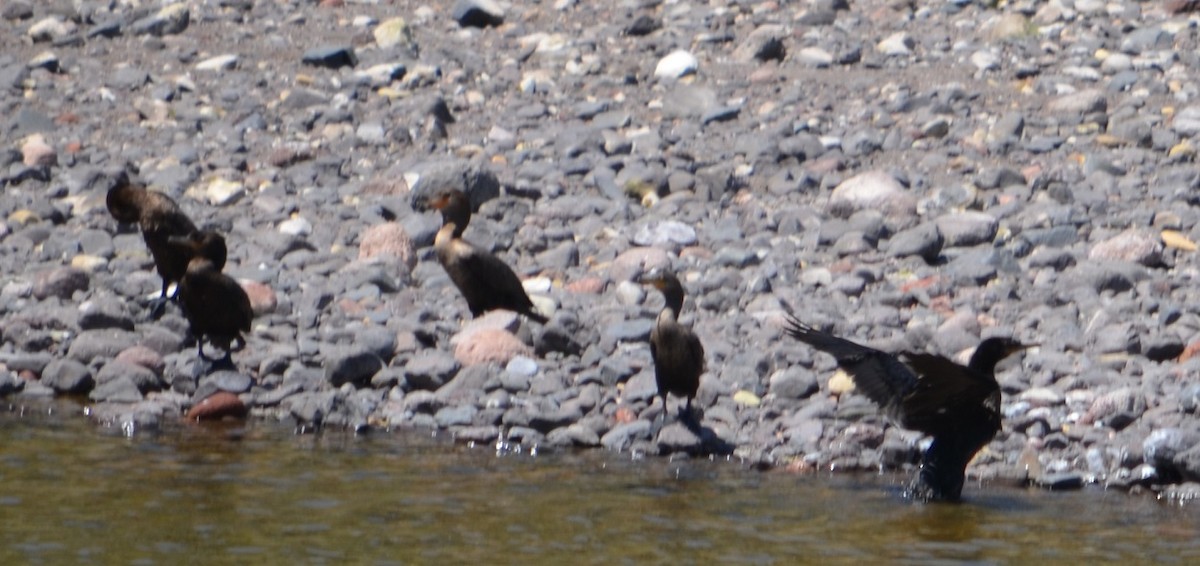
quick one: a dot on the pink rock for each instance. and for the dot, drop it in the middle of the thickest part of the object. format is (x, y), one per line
(38, 153)
(587, 286)
(145, 357)
(387, 240)
(262, 297)
(218, 406)
(1138, 246)
(635, 261)
(506, 321)
(490, 345)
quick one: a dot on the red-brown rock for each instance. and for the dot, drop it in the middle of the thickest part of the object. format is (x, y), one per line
(218, 406)
(262, 297)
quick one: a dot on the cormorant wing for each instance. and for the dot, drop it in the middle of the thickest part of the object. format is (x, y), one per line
(944, 390)
(696, 350)
(495, 278)
(879, 375)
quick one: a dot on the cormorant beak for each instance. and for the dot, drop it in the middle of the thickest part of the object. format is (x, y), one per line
(654, 278)
(438, 202)
(1014, 348)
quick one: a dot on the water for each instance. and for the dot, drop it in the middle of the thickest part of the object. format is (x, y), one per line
(71, 492)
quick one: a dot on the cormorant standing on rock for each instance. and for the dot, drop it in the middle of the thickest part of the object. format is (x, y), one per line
(159, 219)
(216, 306)
(677, 352)
(484, 280)
(958, 406)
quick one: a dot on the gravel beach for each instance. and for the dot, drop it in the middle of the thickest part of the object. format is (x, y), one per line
(911, 176)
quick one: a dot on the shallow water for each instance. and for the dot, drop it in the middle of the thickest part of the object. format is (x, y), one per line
(71, 492)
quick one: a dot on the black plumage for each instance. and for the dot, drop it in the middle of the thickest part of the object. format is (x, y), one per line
(677, 352)
(485, 281)
(958, 406)
(216, 306)
(159, 218)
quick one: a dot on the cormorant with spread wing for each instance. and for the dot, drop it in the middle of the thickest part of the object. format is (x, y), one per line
(958, 406)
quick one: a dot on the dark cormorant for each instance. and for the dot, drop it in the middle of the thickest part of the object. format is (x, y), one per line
(958, 406)
(484, 280)
(677, 352)
(216, 306)
(159, 219)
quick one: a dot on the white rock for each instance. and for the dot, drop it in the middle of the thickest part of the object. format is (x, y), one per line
(218, 63)
(298, 226)
(896, 44)
(815, 57)
(676, 64)
(985, 60)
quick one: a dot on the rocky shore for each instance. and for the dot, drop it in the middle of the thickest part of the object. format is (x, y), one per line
(913, 176)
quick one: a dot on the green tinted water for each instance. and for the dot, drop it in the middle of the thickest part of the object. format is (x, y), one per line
(74, 493)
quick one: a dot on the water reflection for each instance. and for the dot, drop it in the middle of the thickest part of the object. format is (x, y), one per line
(70, 492)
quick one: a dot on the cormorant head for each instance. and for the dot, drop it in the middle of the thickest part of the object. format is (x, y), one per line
(122, 200)
(666, 282)
(454, 206)
(202, 244)
(991, 351)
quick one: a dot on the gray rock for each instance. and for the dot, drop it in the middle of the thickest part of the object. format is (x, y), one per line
(667, 234)
(10, 383)
(622, 436)
(225, 380)
(120, 389)
(170, 20)
(765, 43)
(68, 376)
(793, 383)
(62, 282)
(1079, 103)
(477, 13)
(1163, 445)
(430, 369)
(105, 312)
(351, 365)
(462, 415)
(311, 407)
(923, 240)
(480, 184)
(968, 228)
(104, 344)
(332, 57)
(145, 379)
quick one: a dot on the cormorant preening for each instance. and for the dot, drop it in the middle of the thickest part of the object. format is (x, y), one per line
(159, 219)
(484, 280)
(958, 406)
(215, 305)
(677, 352)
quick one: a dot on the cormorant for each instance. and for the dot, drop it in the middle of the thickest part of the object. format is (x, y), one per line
(677, 352)
(159, 219)
(216, 306)
(484, 280)
(958, 406)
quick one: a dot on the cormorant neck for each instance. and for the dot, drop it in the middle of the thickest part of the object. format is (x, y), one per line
(673, 293)
(456, 213)
(987, 355)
